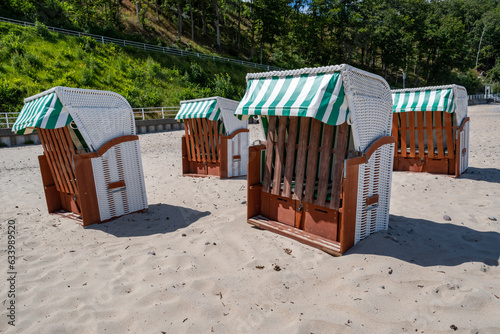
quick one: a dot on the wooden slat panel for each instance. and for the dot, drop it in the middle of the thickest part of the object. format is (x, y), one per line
(58, 164)
(439, 135)
(187, 139)
(211, 138)
(338, 164)
(217, 140)
(411, 118)
(403, 128)
(196, 137)
(430, 137)
(290, 156)
(395, 131)
(449, 134)
(192, 140)
(206, 138)
(300, 166)
(421, 140)
(67, 158)
(49, 153)
(271, 137)
(279, 158)
(201, 139)
(312, 161)
(324, 166)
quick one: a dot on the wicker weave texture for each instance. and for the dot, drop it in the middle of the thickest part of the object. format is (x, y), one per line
(99, 115)
(120, 163)
(464, 144)
(237, 146)
(370, 105)
(374, 179)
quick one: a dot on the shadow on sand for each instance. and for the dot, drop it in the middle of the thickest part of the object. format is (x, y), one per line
(482, 174)
(159, 218)
(427, 243)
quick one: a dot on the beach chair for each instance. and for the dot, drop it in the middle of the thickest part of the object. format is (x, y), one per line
(215, 141)
(431, 129)
(91, 166)
(323, 176)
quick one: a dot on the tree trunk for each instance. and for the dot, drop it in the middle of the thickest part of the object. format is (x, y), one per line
(239, 26)
(192, 20)
(138, 10)
(216, 4)
(157, 12)
(179, 18)
(118, 4)
(253, 35)
(203, 18)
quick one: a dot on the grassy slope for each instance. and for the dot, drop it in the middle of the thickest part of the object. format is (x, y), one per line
(33, 60)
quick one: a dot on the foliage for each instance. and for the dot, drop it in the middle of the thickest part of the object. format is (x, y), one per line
(430, 40)
(144, 79)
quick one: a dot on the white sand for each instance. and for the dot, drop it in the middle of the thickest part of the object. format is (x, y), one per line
(422, 276)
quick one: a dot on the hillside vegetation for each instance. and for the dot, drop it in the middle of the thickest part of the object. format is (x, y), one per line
(433, 42)
(34, 59)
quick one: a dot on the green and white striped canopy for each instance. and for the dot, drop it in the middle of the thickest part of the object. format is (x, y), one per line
(424, 100)
(206, 108)
(45, 112)
(317, 95)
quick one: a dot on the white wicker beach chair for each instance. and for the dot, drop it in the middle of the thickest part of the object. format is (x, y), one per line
(91, 164)
(324, 175)
(215, 142)
(431, 129)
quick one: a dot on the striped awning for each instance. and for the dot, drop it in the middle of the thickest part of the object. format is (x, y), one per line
(424, 100)
(45, 112)
(317, 95)
(206, 108)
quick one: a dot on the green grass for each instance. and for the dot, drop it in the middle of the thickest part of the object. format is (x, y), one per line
(33, 60)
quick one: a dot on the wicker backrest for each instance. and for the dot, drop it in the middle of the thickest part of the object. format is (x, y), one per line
(99, 115)
(370, 105)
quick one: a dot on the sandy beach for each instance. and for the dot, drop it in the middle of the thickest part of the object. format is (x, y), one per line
(192, 264)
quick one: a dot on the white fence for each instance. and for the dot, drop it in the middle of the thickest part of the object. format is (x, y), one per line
(494, 97)
(148, 47)
(8, 119)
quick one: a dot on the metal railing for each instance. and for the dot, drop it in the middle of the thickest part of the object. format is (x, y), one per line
(147, 47)
(8, 119)
(494, 97)
(155, 112)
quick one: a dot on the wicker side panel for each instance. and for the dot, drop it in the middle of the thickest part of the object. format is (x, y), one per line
(370, 106)
(120, 163)
(237, 155)
(374, 179)
(463, 154)
(99, 115)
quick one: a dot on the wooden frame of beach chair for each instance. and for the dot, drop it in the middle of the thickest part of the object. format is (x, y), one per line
(320, 179)
(435, 119)
(215, 142)
(91, 167)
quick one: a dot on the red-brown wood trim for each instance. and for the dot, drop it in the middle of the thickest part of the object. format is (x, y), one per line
(117, 184)
(88, 195)
(104, 148)
(377, 144)
(235, 133)
(461, 127)
(372, 200)
(349, 204)
(236, 157)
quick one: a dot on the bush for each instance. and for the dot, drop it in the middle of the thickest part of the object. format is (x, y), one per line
(223, 87)
(11, 96)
